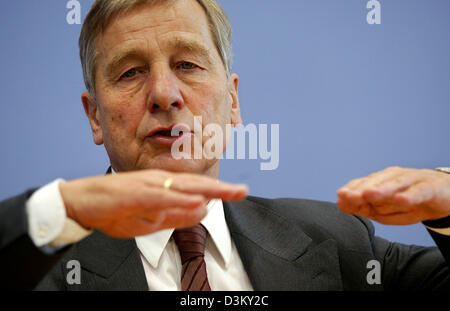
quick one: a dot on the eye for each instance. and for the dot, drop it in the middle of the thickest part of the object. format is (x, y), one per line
(129, 74)
(187, 66)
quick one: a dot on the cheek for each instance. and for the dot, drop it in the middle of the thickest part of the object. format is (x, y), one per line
(212, 105)
(122, 117)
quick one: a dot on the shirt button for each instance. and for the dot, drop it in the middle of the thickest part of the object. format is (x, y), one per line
(42, 231)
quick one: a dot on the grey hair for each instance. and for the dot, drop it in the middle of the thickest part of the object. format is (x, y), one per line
(102, 11)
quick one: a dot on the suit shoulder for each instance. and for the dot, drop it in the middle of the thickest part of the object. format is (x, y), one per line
(320, 219)
(301, 208)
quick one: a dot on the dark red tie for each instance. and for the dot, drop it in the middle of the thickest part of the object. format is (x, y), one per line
(191, 244)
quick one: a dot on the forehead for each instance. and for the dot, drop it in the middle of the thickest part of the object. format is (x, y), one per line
(155, 25)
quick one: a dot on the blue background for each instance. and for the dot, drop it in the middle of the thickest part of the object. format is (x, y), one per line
(350, 98)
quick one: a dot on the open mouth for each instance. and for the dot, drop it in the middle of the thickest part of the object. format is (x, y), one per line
(168, 133)
(167, 136)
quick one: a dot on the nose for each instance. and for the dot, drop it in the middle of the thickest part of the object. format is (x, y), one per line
(165, 94)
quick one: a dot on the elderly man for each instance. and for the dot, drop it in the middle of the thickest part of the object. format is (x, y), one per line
(150, 66)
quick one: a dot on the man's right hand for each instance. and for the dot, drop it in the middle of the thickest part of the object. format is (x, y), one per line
(132, 204)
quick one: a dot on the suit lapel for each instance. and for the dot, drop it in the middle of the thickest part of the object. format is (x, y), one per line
(110, 264)
(276, 252)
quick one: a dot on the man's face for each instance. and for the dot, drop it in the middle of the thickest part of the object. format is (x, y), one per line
(158, 66)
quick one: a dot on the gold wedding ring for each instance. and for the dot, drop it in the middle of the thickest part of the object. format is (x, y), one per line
(168, 183)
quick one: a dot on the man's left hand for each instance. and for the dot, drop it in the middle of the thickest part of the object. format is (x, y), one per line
(398, 196)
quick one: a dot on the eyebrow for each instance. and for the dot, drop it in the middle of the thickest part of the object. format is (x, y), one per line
(178, 44)
(181, 44)
(122, 57)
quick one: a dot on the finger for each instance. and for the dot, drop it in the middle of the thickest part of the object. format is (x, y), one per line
(417, 194)
(181, 218)
(388, 207)
(365, 210)
(131, 228)
(352, 190)
(352, 184)
(157, 198)
(369, 210)
(142, 226)
(351, 198)
(398, 219)
(196, 184)
(155, 215)
(371, 188)
(368, 184)
(208, 187)
(406, 217)
(347, 206)
(385, 190)
(374, 177)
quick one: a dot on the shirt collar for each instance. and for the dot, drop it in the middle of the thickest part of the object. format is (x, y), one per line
(153, 245)
(217, 228)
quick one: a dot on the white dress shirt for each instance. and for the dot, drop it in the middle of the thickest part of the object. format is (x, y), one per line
(162, 263)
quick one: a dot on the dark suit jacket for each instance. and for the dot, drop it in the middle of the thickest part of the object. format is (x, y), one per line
(22, 264)
(284, 244)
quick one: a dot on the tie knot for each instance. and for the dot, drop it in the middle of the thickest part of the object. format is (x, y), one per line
(190, 242)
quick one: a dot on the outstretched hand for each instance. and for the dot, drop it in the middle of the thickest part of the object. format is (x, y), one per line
(398, 196)
(132, 204)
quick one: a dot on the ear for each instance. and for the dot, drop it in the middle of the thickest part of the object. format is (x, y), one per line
(92, 112)
(236, 119)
